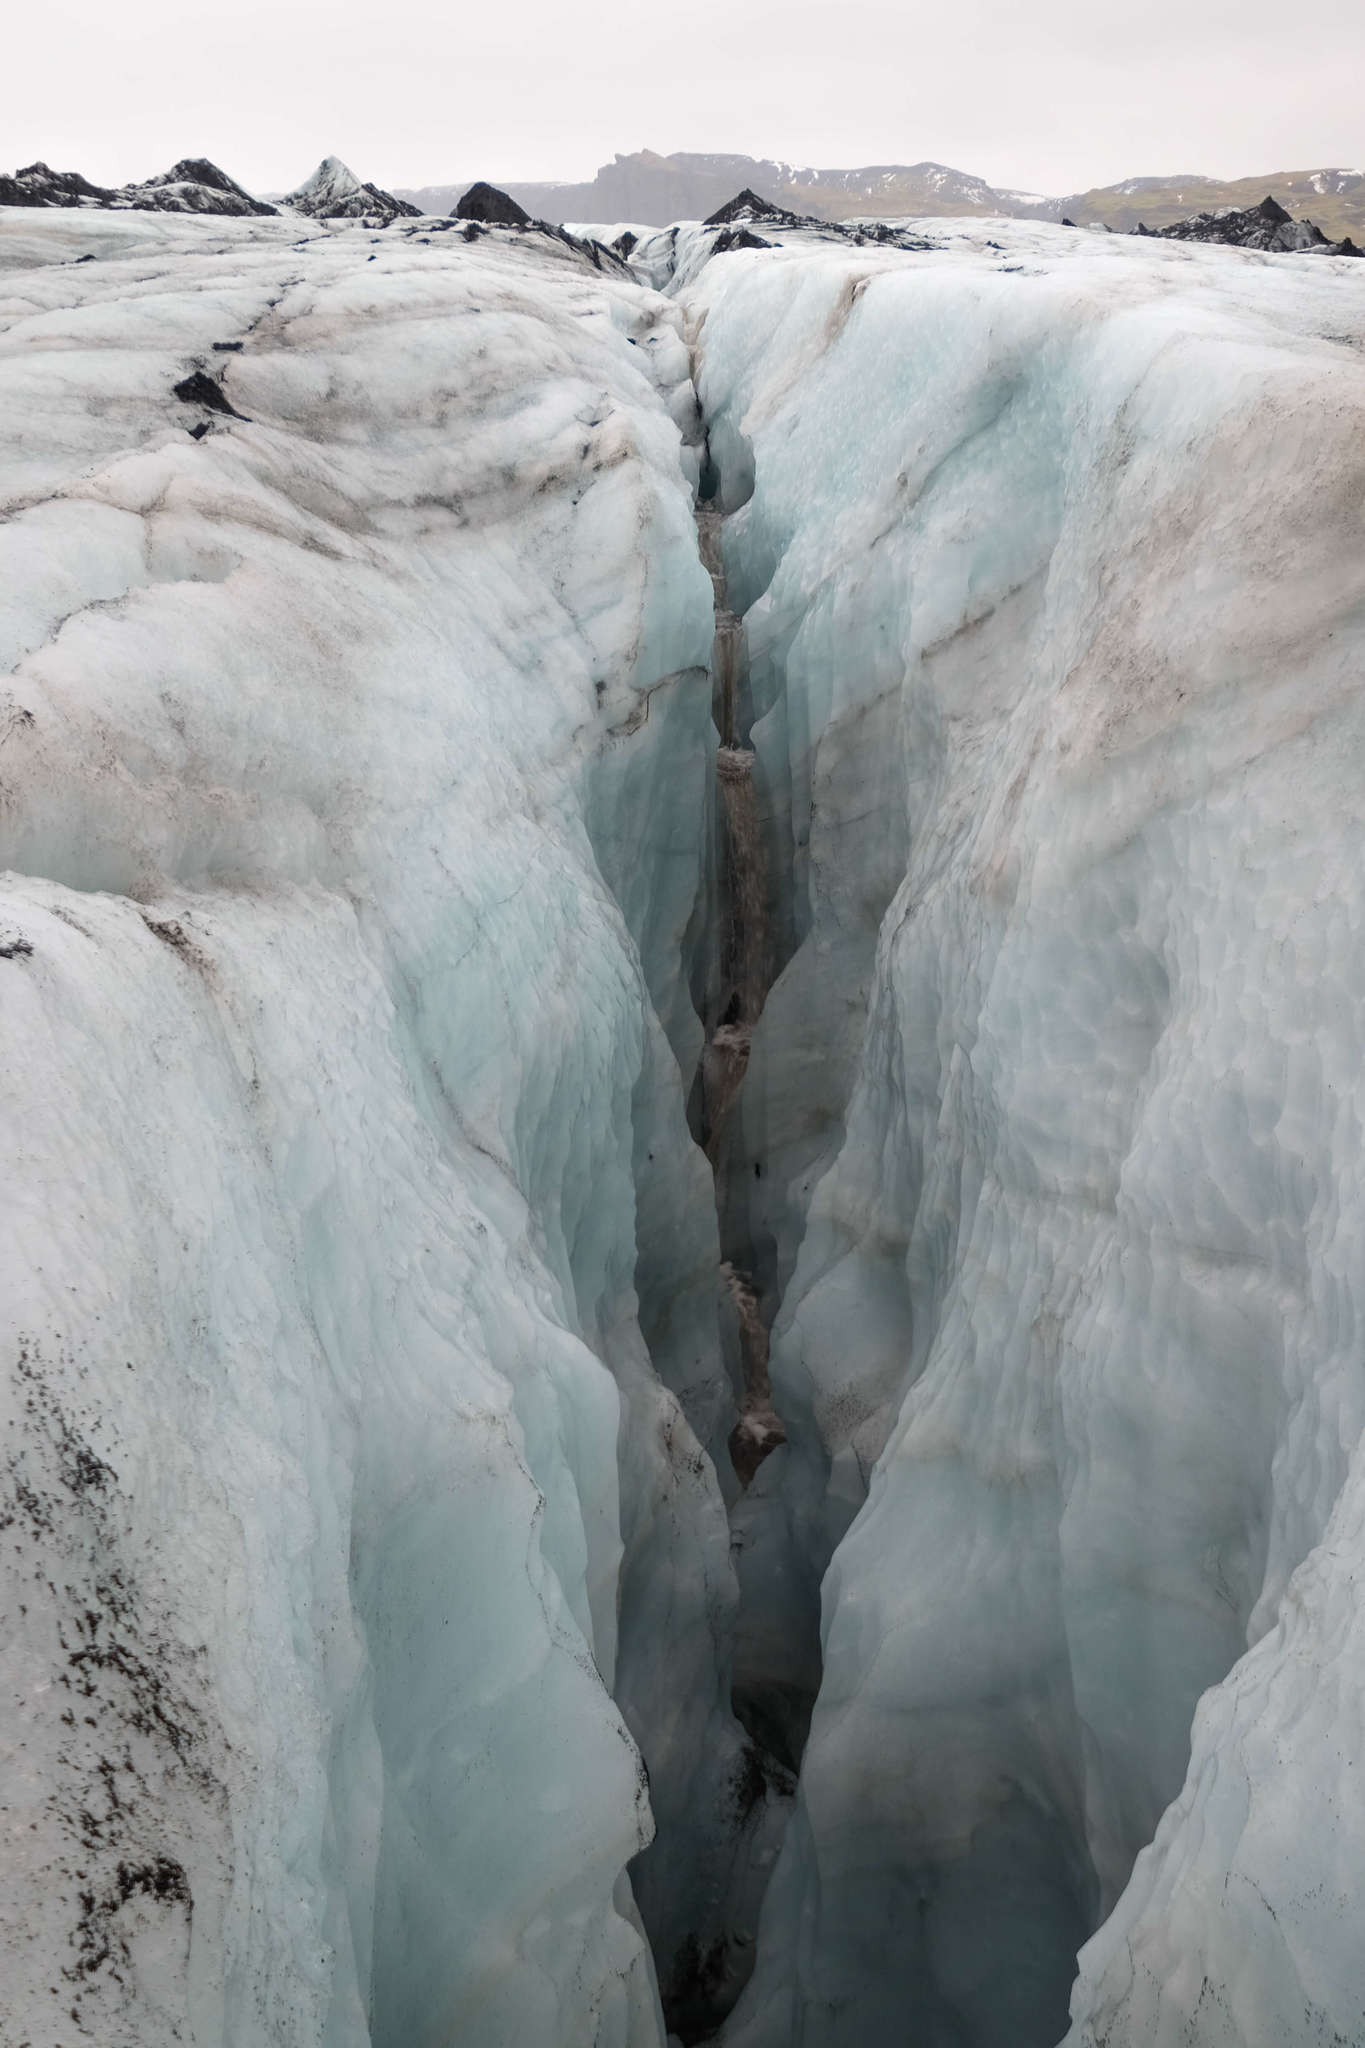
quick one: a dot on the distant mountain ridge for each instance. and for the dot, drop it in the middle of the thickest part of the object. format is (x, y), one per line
(194, 185)
(656, 190)
(1333, 199)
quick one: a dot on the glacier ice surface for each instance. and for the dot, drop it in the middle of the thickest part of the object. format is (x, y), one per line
(354, 767)
(367, 1573)
(1050, 560)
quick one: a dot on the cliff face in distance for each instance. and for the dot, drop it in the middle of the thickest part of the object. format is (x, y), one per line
(655, 190)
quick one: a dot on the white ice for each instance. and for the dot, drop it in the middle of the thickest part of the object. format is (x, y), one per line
(1050, 549)
(365, 1401)
(354, 766)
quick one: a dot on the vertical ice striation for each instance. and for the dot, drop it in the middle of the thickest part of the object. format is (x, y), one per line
(361, 1287)
(947, 765)
(1050, 570)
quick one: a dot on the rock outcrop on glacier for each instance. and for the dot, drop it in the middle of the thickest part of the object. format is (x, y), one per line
(486, 203)
(747, 206)
(194, 185)
(1267, 226)
(676, 257)
(36, 185)
(333, 192)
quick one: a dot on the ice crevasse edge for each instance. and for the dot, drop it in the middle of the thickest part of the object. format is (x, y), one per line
(355, 763)
(356, 767)
(1056, 615)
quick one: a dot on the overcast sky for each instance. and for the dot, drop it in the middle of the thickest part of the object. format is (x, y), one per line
(1052, 98)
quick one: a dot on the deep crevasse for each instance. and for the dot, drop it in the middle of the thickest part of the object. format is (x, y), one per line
(369, 1418)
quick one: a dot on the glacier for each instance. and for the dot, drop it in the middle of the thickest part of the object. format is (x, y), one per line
(1051, 573)
(393, 1654)
(354, 770)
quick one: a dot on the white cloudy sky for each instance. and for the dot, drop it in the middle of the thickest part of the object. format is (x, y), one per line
(1052, 97)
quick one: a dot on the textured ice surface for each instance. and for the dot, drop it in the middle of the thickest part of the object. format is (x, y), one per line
(361, 1525)
(354, 764)
(1051, 558)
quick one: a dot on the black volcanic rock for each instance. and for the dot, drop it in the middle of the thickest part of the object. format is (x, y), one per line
(194, 185)
(1267, 226)
(200, 389)
(198, 170)
(740, 217)
(747, 206)
(486, 203)
(36, 185)
(484, 206)
(737, 238)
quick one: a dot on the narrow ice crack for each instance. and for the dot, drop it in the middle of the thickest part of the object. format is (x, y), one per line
(744, 965)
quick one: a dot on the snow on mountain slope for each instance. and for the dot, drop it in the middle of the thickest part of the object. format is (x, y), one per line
(333, 192)
(1050, 556)
(194, 185)
(354, 758)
